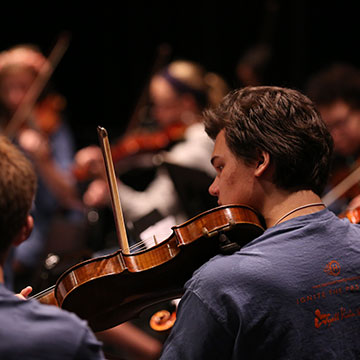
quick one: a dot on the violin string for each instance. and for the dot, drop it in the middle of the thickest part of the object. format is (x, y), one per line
(43, 292)
(140, 245)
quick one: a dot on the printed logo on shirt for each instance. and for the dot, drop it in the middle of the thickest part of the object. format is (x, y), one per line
(333, 268)
(329, 319)
(337, 286)
(324, 319)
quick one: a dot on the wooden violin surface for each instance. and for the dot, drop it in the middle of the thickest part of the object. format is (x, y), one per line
(115, 288)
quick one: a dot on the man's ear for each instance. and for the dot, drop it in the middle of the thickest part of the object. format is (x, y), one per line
(25, 231)
(263, 163)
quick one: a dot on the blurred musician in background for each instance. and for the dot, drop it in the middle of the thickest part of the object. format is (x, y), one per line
(178, 94)
(46, 139)
(336, 93)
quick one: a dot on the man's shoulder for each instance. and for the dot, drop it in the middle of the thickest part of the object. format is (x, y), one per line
(48, 318)
(222, 270)
(34, 328)
(54, 314)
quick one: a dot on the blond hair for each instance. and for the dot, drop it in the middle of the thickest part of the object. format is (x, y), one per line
(27, 56)
(196, 80)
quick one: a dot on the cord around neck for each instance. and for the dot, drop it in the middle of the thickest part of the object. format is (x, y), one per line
(297, 209)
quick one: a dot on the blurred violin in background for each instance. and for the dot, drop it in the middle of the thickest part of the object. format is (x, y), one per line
(352, 215)
(138, 142)
(47, 114)
(28, 109)
(344, 182)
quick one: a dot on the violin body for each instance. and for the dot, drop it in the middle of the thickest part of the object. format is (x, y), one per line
(135, 144)
(352, 215)
(47, 113)
(147, 141)
(112, 289)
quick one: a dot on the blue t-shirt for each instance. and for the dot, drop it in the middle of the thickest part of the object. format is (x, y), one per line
(30, 330)
(292, 293)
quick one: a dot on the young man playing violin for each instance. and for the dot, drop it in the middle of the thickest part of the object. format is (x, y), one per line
(30, 330)
(293, 292)
(45, 137)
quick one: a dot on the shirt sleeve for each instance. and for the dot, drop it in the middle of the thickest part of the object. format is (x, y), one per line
(197, 334)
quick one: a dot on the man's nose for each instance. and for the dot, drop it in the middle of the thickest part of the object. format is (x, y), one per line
(213, 188)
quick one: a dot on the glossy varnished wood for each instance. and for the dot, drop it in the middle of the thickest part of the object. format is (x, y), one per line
(46, 296)
(115, 288)
(211, 222)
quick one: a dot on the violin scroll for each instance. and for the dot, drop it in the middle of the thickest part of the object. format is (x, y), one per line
(163, 320)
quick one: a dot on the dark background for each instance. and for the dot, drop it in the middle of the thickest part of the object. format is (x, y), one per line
(114, 46)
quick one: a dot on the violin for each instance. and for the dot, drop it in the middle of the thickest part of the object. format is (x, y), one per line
(138, 143)
(47, 113)
(163, 320)
(352, 215)
(344, 183)
(121, 285)
(113, 289)
(45, 109)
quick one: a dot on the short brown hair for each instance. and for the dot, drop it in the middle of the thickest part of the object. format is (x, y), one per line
(17, 188)
(282, 122)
